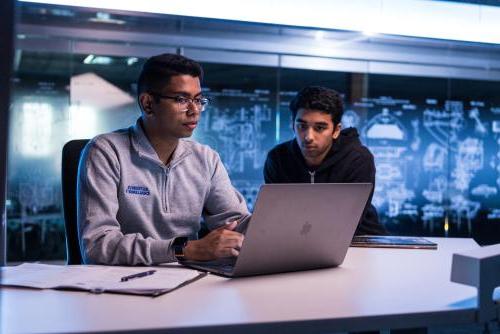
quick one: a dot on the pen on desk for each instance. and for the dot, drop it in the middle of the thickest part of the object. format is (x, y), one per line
(144, 273)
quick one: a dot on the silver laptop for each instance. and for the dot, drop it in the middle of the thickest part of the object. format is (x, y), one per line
(296, 227)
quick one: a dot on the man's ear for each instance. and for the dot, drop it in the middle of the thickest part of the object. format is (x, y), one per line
(336, 131)
(146, 103)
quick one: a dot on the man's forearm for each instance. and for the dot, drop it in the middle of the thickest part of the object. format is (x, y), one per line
(115, 248)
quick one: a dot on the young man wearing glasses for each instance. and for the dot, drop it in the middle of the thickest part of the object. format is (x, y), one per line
(142, 191)
(321, 151)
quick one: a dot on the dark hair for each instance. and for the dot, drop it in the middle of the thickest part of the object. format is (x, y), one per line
(157, 71)
(319, 98)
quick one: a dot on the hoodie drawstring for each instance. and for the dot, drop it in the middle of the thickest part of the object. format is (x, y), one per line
(312, 175)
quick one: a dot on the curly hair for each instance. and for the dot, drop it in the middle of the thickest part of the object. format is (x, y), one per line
(157, 71)
(322, 99)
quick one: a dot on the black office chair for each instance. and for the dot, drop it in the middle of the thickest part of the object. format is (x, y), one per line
(70, 157)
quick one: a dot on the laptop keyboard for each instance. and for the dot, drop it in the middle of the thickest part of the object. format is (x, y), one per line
(226, 264)
(227, 268)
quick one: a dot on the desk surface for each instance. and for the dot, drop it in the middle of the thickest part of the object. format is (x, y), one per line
(373, 288)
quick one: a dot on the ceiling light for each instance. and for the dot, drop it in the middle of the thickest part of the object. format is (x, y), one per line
(97, 60)
(102, 17)
(88, 59)
(319, 35)
(415, 18)
(132, 60)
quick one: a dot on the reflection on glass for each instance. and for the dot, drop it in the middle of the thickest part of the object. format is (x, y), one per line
(82, 122)
(436, 153)
(36, 129)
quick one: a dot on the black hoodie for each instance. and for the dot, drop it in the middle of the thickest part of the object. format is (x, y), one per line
(348, 161)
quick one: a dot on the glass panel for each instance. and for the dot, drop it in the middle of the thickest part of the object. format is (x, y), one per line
(40, 98)
(436, 141)
(57, 97)
(407, 131)
(240, 124)
(474, 157)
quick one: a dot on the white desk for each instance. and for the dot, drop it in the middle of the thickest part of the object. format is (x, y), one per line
(373, 289)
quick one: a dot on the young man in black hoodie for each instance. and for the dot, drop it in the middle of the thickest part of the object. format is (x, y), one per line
(322, 152)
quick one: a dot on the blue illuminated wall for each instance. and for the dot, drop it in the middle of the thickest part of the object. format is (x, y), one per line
(436, 143)
(437, 155)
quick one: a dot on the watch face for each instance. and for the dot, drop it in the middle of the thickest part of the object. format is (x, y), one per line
(179, 251)
(179, 244)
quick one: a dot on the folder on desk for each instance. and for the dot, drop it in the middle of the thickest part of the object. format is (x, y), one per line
(98, 279)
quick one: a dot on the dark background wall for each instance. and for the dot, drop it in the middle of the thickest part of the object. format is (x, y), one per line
(6, 51)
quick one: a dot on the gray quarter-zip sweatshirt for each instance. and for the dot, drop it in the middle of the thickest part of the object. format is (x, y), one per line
(131, 206)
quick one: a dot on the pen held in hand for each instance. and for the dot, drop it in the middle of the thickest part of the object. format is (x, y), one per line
(138, 275)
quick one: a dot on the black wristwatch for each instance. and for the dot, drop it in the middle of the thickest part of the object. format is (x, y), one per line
(178, 246)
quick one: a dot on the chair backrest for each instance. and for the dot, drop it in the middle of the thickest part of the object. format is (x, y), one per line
(69, 172)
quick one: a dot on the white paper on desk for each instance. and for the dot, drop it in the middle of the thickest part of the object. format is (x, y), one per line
(96, 278)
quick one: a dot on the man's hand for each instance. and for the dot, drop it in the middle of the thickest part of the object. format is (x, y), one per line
(221, 242)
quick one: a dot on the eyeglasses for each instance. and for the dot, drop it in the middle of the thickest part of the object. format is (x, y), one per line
(184, 102)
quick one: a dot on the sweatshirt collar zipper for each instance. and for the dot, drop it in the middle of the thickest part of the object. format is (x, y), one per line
(165, 188)
(172, 163)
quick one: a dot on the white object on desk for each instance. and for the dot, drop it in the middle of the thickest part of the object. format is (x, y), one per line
(480, 268)
(97, 279)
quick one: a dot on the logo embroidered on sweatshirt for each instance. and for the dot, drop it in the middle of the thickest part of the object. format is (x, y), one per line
(138, 190)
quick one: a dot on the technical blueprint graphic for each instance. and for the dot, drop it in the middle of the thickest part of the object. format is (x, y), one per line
(436, 161)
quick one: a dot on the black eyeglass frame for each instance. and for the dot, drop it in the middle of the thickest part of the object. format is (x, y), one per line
(201, 102)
